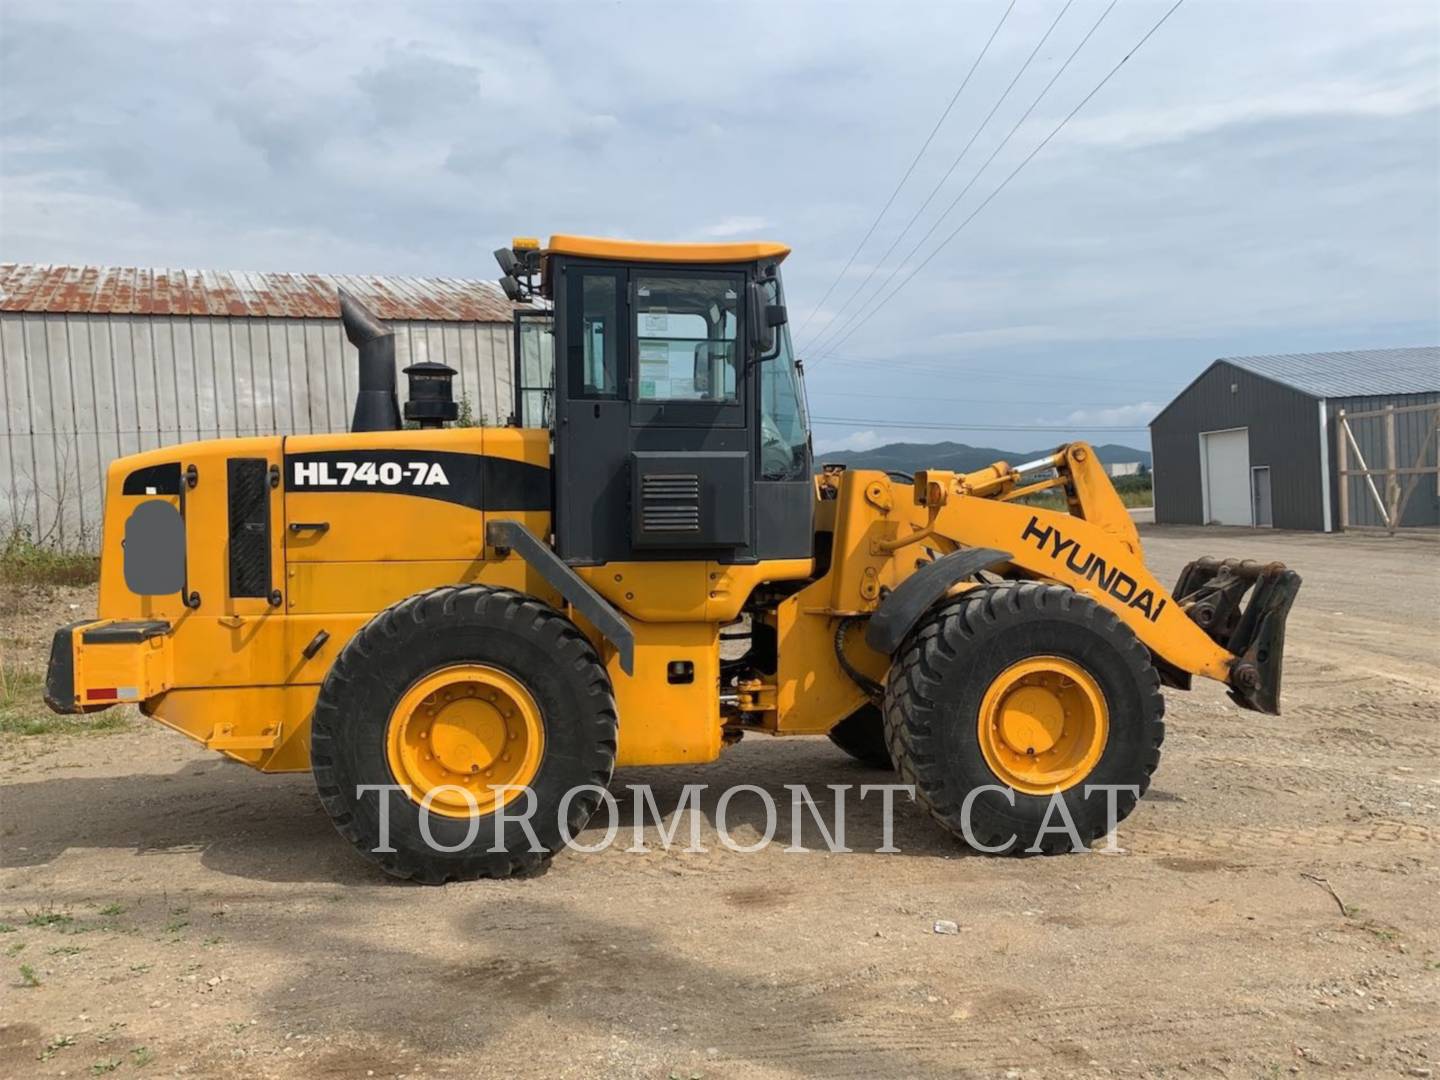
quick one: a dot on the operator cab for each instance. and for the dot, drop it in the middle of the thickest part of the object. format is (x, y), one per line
(677, 406)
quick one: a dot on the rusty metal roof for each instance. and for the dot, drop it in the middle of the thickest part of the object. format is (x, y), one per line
(121, 290)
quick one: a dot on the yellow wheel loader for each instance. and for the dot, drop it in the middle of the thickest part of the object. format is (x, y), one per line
(449, 625)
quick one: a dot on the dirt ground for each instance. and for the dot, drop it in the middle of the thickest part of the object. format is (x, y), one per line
(1274, 910)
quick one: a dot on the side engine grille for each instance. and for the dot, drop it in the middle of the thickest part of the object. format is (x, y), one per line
(249, 506)
(670, 503)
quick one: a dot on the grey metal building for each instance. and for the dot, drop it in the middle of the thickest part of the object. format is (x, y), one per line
(1256, 440)
(99, 362)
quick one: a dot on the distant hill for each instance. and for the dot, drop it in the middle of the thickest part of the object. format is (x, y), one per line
(957, 457)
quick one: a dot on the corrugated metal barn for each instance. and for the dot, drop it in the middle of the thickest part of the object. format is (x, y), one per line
(1254, 441)
(99, 362)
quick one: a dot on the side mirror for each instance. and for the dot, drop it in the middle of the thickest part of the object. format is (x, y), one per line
(776, 315)
(762, 330)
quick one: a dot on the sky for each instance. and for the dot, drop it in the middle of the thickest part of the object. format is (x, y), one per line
(1256, 178)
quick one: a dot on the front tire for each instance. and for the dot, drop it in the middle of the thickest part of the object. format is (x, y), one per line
(452, 692)
(1008, 696)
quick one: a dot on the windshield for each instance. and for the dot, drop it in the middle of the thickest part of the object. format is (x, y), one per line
(784, 425)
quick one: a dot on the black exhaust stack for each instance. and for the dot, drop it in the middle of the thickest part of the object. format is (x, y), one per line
(376, 406)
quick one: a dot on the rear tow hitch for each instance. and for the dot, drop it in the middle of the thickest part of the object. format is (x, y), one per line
(1212, 590)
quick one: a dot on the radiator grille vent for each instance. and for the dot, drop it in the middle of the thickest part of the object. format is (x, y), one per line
(670, 503)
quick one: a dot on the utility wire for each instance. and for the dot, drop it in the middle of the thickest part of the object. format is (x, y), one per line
(1005, 94)
(834, 341)
(1013, 173)
(921, 425)
(915, 161)
(940, 367)
(828, 393)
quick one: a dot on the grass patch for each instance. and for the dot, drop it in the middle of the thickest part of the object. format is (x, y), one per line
(112, 909)
(50, 918)
(1134, 491)
(23, 710)
(24, 562)
(28, 976)
(55, 1045)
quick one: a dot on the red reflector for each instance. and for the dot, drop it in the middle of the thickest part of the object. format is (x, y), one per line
(100, 692)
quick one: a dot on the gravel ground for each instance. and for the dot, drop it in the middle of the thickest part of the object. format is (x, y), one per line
(1272, 910)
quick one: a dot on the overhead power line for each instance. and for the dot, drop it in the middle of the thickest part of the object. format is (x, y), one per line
(1004, 95)
(832, 421)
(835, 341)
(914, 161)
(826, 392)
(952, 369)
(1011, 176)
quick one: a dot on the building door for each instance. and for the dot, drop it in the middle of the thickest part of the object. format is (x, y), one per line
(1260, 496)
(1225, 472)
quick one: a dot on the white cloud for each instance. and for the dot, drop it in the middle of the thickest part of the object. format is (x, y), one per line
(740, 225)
(856, 440)
(1135, 415)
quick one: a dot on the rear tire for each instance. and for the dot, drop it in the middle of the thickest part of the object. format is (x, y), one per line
(483, 633)
(942, 719)
(862, 736)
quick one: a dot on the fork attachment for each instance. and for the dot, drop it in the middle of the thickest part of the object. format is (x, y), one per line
(1212, 593)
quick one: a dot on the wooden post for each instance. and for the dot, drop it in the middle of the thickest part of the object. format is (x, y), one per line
(1342, 463)
(1392, 479)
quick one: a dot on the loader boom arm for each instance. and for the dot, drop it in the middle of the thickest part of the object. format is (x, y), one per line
(1095, 549)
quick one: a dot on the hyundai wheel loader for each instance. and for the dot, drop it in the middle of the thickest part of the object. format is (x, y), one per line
(439, 620)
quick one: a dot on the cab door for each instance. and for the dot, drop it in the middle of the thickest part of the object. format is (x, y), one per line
(654, 434)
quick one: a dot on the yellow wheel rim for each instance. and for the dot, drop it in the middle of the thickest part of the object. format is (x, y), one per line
(1043, 725)
(465, 729)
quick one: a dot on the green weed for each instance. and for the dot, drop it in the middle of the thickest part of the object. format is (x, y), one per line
(23, 561)
(55, 1045)
(49, 918)
(23, 710)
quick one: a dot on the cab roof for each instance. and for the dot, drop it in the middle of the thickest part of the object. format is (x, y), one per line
(594, 247)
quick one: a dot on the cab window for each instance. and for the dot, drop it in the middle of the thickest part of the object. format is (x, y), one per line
(687, 338)
(784, 426)
(595, 331)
